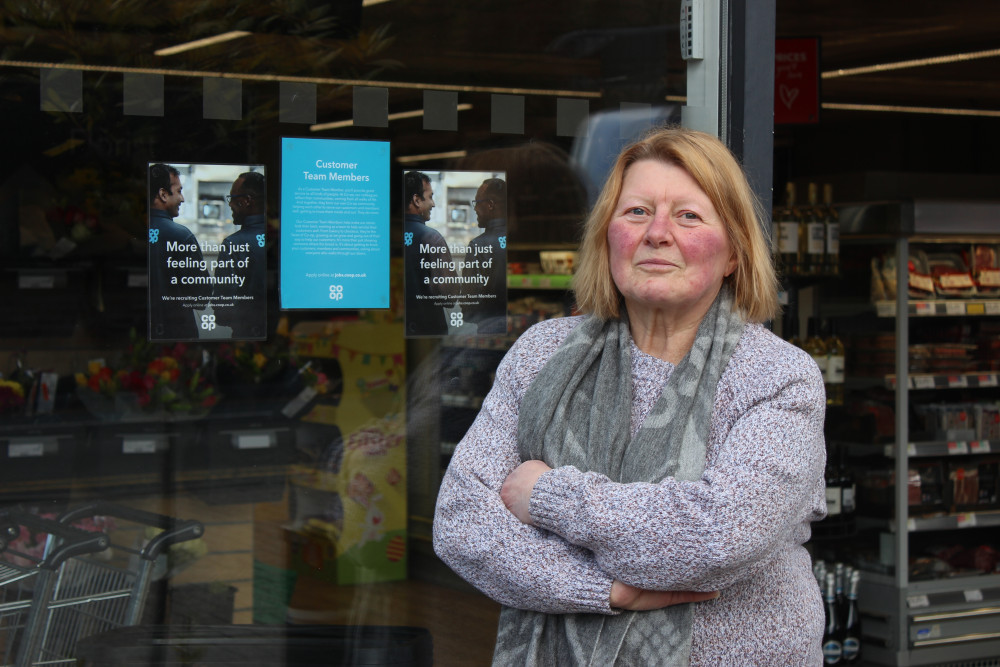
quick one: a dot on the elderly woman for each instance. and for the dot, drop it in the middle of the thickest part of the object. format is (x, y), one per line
(639, 483)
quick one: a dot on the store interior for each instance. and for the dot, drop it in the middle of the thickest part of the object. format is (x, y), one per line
(909, 113)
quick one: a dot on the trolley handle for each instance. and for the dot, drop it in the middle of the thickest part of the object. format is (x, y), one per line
(174, 530)
(72, 541)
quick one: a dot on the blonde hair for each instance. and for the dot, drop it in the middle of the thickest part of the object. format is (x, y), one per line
(719, 175)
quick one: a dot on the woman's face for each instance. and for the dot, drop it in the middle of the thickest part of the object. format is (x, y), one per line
(668, 247)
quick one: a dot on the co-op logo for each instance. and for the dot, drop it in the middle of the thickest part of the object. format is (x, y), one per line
(336, 292)
(208, 322)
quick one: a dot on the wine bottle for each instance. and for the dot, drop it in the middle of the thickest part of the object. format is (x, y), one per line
(814, 345)
(812, 235)
(831, 220)
(787, 227)
(819, 571)
(834, 492)
(834, 367)
(838, 589)
(832, 647)
(847, 489)
(850, 642)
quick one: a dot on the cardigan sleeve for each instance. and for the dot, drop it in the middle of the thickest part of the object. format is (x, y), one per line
(761, 487)
(480, 539)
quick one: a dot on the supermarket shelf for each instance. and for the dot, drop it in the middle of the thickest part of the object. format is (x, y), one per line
(985, 519)
(974, 380)
(486, 342)
(540, 281)
(942, 307)
(461, 401)
(929, 448)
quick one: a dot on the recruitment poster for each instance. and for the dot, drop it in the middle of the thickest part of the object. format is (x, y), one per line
(207, 251)
(455, 252)
(334, 223)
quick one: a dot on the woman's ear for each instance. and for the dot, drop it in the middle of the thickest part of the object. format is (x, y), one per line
(731, 266)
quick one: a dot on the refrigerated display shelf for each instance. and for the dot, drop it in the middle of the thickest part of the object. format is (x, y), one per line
(973, 380)
(461, 401)
(942, 308)
(958, 520)
(539, 281)
(930, 448)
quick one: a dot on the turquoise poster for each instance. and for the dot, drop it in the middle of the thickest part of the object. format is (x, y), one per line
(334, 223)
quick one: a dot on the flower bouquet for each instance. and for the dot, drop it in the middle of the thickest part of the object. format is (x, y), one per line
(11, 397)
(151, 382)
(258, 372)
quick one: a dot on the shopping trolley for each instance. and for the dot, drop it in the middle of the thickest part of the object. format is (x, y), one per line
(83, 583)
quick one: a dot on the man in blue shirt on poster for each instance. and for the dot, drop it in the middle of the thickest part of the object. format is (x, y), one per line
(176, 267)
(427, 295)
(489, 259)
(242, 304)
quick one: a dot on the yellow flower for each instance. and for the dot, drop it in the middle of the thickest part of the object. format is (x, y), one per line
(259, 360)
(95, 366)
(81, 379)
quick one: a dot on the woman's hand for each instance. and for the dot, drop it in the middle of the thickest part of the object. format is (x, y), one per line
(628, 597)
(516, 489)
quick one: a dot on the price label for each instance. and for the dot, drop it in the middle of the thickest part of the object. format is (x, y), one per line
(36, 281)
(911, 449)
(917, 601)
(988, 380)
(911, 525)
(137, 279)
(25, 450)
(966, 520)
(958, 448)
(954, 308)
(294, 406)
(252, 440)
(138, 446)
(885, 308)
(957, 381)
(973, 595)
(923, 308)
(975, 309)
(923, 381)
(979, 446)
(992, 307)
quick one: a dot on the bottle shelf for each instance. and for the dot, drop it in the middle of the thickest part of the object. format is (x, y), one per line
(973, 380)
(942, 308)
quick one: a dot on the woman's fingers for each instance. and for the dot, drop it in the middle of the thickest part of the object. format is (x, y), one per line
(628, 597)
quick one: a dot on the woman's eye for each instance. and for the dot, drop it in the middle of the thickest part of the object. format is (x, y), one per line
(636, 211)
(688, 215)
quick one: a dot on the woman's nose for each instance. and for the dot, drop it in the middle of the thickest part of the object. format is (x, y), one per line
(660, 229)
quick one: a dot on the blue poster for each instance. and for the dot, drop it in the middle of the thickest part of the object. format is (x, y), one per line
(334, 223)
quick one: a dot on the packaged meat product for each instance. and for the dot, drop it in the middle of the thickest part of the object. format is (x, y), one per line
(951, 276)
(986, 269)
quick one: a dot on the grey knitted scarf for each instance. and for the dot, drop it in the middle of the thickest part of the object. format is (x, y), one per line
(577, 412)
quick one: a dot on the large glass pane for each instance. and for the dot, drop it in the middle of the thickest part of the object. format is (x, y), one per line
(307, 444)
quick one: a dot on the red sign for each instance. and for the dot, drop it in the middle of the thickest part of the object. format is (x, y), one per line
(796, 80)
